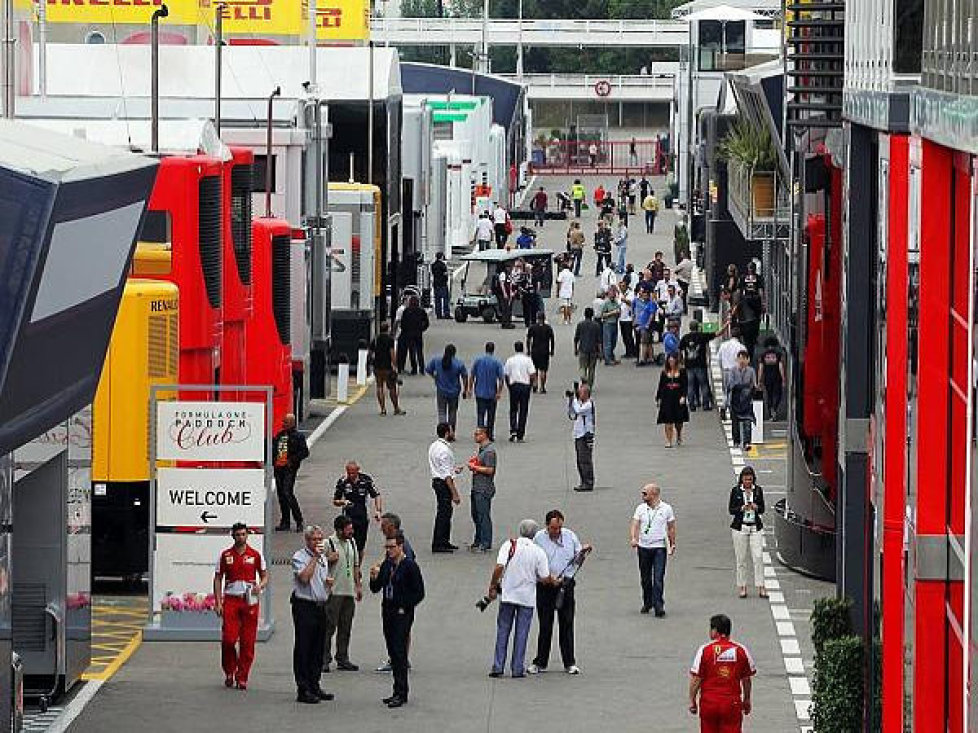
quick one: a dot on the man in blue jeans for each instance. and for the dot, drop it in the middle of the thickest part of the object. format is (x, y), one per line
(483, 468)
(653, 535)
(486, 382)
(610, 311)
(520, 565)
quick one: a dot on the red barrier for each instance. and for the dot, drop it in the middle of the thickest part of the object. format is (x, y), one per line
(596, 157)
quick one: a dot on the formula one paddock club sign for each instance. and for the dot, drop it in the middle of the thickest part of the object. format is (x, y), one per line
(336, 20)
(210, 431)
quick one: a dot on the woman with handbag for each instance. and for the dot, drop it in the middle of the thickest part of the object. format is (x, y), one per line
(746, 506)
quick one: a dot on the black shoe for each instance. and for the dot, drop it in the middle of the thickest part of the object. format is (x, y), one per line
(282, 528)
(660, 613)
(322, 695)
(445, 549)
(645, 609)
(512, 437)
(388, 700)
(583, 488)
(307, 698)
(347, 667)
(396, 702)
(494, 674)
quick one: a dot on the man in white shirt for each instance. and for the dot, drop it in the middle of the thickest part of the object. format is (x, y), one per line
(520, 374)
(728, 363)
(441, 461)
(607, 278)
(565, 291)
(483, 232)
(499, 218)
(580, 409)
(674, 304)
(653, 534)
(520, 565)
(621, 246)
(662, 287)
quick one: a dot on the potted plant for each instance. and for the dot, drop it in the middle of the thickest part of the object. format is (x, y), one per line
(750, 148)
(191, 610)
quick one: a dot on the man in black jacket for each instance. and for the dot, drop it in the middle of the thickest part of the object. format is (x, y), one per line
(289, 449)
(414, 322)
(439, 283)
(400, 580)
(602, 246)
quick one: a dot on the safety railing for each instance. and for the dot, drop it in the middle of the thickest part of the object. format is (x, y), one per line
(554, 32)
(757, 201)
(590, 81)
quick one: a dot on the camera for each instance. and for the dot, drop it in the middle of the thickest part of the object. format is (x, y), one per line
(483, 603)
(573, 393)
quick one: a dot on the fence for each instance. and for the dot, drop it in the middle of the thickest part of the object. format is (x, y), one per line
(594, 157)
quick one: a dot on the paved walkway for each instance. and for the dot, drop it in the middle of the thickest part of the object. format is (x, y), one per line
(634, 666)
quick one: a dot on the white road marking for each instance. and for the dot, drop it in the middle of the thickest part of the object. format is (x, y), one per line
(794, 665)
(799, 686)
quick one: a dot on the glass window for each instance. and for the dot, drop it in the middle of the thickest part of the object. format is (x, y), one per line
(710, 44)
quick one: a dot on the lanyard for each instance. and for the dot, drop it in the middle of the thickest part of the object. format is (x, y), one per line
(651, 517)
(389, 588)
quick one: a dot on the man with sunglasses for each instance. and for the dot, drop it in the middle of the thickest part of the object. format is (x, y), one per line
(239, 579)
(403, 589)
(653, 535)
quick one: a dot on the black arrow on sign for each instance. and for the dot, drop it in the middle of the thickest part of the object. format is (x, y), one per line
(205, 515)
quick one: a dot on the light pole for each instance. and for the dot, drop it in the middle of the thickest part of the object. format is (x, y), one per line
(484, 56)
(519, 41)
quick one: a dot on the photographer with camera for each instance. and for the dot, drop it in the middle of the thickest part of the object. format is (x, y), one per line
(520, 565)
(565, 555)
(580, 409)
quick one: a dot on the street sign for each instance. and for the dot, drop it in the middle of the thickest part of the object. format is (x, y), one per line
(602, 88)
(210, 431)
(216, 497)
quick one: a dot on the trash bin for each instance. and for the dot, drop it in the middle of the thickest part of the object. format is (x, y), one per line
(16, 693)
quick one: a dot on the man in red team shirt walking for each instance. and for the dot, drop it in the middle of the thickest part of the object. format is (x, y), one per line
(721, 677)
(241, 571)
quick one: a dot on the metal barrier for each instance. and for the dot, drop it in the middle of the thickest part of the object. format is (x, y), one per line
(600, 157)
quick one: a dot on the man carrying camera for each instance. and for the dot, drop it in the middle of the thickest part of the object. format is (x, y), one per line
(520, 565)
(565, 554)
(580, 409)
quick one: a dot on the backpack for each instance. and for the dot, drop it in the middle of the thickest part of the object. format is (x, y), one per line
(670, 342)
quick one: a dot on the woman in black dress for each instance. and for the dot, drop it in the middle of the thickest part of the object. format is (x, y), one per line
(671, 399)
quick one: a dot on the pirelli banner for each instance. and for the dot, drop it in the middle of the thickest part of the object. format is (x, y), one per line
(278, 21)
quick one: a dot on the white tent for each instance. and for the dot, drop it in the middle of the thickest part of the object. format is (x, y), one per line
(249, 72)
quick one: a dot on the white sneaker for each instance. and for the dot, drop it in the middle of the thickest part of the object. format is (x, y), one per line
(573, 669)
(533, 669)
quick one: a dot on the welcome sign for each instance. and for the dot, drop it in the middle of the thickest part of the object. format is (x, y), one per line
(210, 431)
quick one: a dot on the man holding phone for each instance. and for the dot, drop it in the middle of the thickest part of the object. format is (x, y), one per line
(311, 588)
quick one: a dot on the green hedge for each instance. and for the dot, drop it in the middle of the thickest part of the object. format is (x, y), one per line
(831, 619)
(837, 692)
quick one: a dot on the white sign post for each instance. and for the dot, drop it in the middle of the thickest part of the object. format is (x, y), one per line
(197, 498)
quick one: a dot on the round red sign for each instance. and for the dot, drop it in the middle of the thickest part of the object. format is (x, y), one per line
(602, 88)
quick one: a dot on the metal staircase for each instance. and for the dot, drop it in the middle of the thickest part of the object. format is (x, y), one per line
(814, 63)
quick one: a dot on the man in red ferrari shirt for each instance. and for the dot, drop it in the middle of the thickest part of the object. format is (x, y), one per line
(241, 571)
(721, 677)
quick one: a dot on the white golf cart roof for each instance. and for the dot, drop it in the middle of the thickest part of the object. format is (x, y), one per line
(502, 255)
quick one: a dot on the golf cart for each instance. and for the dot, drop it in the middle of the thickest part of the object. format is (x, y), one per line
(480, 268)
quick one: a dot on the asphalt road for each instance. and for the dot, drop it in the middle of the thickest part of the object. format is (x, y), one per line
(635, 667)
